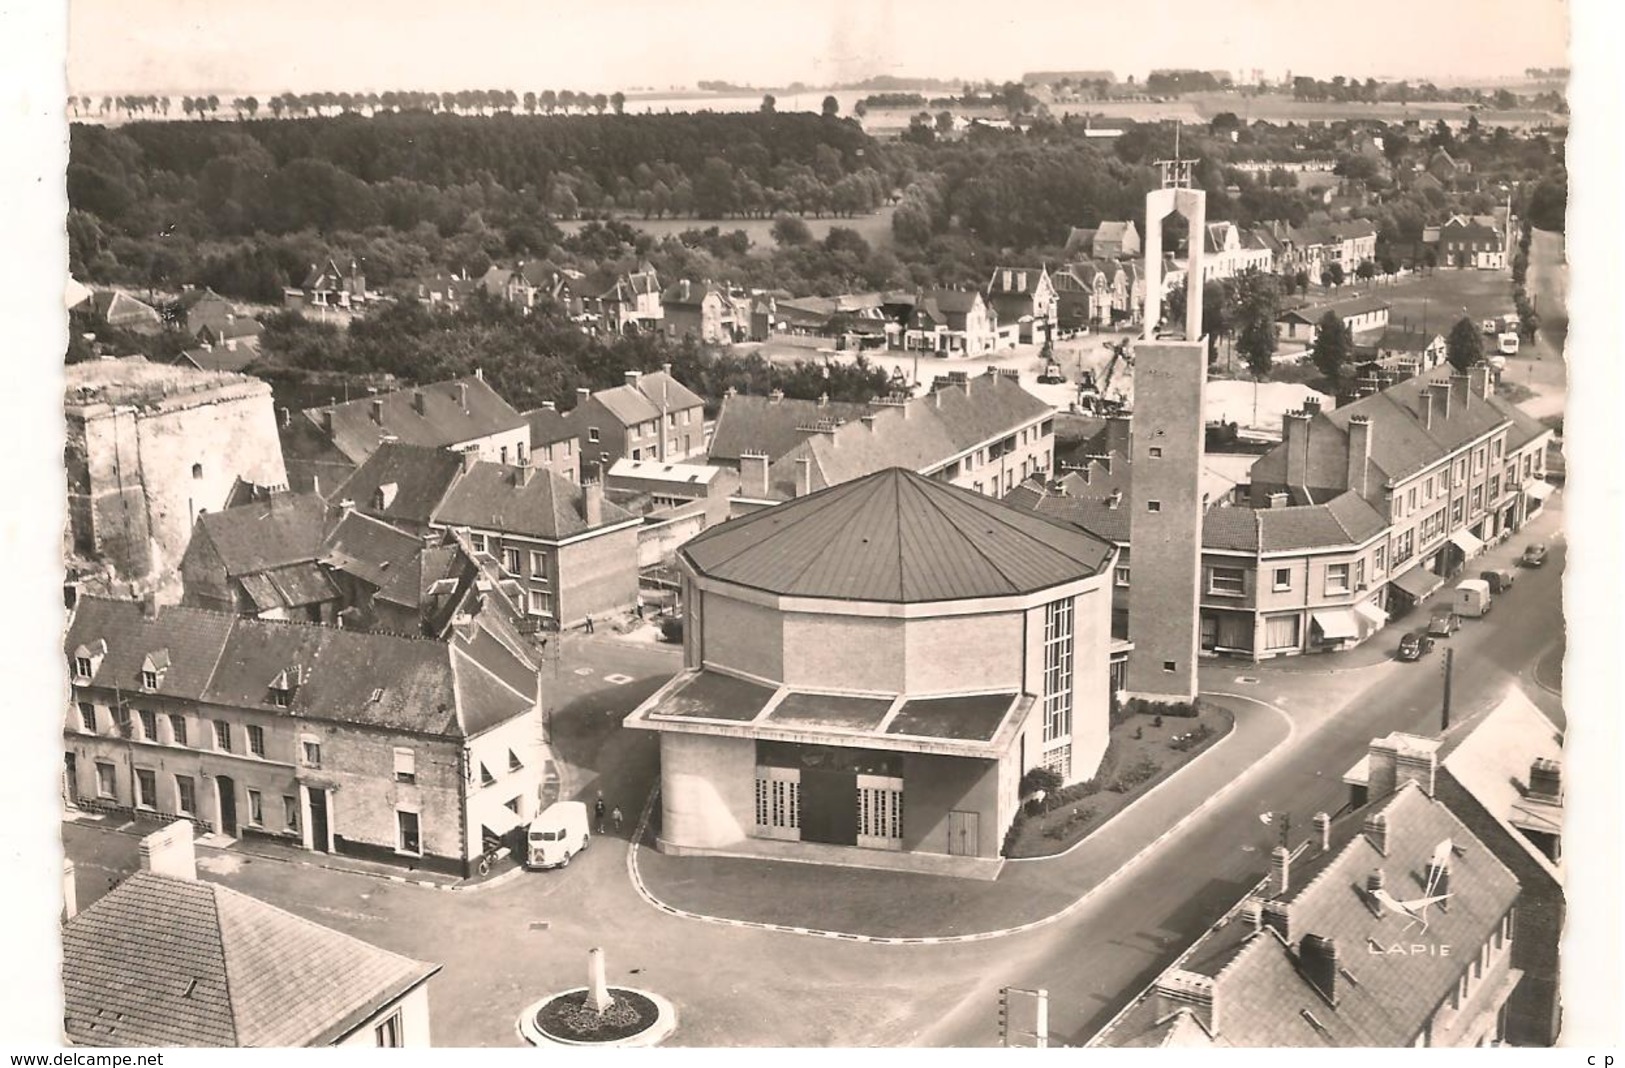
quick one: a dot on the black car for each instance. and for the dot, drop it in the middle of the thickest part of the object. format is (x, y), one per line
(1415, 645)
(1534, 555)
(1444, 623)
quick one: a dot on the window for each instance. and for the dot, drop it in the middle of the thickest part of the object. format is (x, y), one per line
(149, 724)
(778, 802)
(540, 603)
(1057, 670)
(279, 697)
(256, 808)
(406, 767)
(1478, 499)
(1427, 490)
(185, 795)
(671, 420)
(486, 778)
(1404, 547)
(149, 680)
(1060, 761)
(81, 667)
(1458, 508)
(1170, 666)
(1478, 460)
(1283, 578)
(1359, 574)
(290, 812)
(1495, 449)
(1122, 576)
(1461, 470)
(146, 788)
(538, 565)
(310, 752)
(1227, 581)
(477, 542)
(1410, 500)
(592, 434)
(1495, 486)
(1337, 578)
(502, 454)
(197, 470)
(87, 716)
(388, 1033)
(222, 734)
(511, 562)
(1153, 506)
(1281, 632)
(1156, 452)
(880, 813)
(407, 839)
(256, 741)
(177, 730)
(514, 763)
(106, 781)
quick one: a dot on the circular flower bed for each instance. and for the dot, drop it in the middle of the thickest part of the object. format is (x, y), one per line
(567, 1017)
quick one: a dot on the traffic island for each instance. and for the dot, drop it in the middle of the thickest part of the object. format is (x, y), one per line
(599, 1015)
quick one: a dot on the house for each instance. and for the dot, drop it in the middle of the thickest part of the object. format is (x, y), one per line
(529, 284)
(397, 749)
(983, 433)
(676, 502)
(1445, 168)
(1362, 315)
(553, 442)
(772, 425)
(1465, 242)
(951, 322)
(441, 290)
(213, 320)
(460, 414)
(1408, 351)
(1341, 945)
(118, 309)
(230, 356)
(702, 311)
(818, 715)
(1083, 296)
(764, 316)
(150, 447)
(325, 286)
(1109, 241)
(648, 416)
(572, 554)
(632, 303)
(1026, 296)
(260, 559)
(168, 959)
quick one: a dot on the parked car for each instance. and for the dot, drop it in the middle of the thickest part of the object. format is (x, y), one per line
(556, 835)
(1500, 580)
(1444, 623)
(1472, 599)
(1534, 555)
(1415, 645)
(1507, 344)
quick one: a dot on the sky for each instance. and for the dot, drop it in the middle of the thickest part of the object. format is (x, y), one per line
(181, 46)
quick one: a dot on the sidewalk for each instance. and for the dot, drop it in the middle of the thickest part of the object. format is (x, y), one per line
(879, 906)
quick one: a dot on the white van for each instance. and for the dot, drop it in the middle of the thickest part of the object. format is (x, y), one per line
(1472, 598)
(1507, 344)
(556, 835)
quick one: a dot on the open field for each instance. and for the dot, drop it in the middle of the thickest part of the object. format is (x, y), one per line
(875, 228)
(1436, 301)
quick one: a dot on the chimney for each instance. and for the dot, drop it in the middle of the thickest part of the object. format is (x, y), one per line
(1461, 391)
(420, 402)
(1546, 781)
(592, 503)
(1179, 989)
(70, 892)
(583, 395)
(1427, 408)
(803, 477)
(1442, 393)
(346, 506)
(470, 457)
(666, 367)
(170, 851)
(632, 378)
(1400, 758)
(1119, 434)
(378, 411)
(1297, 448)
(1280, 870)
(1278, 918)
(1311, 405)
(1317, 959)
(462, 395)
(868, 420)
(1280, 500)
(753, 475)
(1482, 379)
(327, 421)
(549, 406)
(1252, 911)
(523, 473)
(1376, 830)
(1323, 831)
(1359, 453)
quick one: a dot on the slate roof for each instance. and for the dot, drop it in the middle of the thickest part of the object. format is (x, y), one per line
(548, 506)
(1404, 341)
(1023, 280)
(748, 423)
(119, 308)
(369, 549)
(286, 529)
(230, 660)
(662, 389)
(293, 586)
(1492, 762)
(219, 358)
(1081, 239)
(421, 475)
(689, 294)
(1262, 995)
(548, 426)
(444, 421)
(1345, 520)
(895, 536)
(166, 961)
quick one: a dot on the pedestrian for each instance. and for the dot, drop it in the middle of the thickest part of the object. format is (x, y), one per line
(598, 812)
(589, 624)
(616, 816)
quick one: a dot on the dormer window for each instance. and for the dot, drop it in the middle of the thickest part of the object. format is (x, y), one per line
(385, 496)
(153, 668)
(87, 659)
(283, 687)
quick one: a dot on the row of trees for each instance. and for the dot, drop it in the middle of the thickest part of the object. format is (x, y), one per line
(461, 102)
(1371, 91)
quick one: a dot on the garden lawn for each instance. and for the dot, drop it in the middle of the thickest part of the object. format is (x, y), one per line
(1137, 764)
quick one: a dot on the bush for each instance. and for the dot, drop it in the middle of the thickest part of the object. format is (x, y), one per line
(1038, 779)
(1139, 772)
(1179, 709)
(1064, 828)
(671, 629)
(1191, 739)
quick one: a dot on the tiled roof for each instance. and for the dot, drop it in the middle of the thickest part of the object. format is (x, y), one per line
(1081, 239)
(548, 426)
(491, 497)
(293, 586)
(954, 301)
(165, 961)
(896, 536)
(368, 548)
(286, 529)
(453, 412)
(749, 423)
(1113, 231)
(118, 308)
(664, 391)
(688, 294)
(194, 639)
(627, 404)
(420, 474)
(219, 358)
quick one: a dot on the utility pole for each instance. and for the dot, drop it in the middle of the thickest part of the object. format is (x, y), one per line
(1449, 667)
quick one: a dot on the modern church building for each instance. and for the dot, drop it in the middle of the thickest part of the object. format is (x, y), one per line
(869, 671)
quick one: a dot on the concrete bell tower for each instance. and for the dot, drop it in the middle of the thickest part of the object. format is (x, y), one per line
(1165, 526)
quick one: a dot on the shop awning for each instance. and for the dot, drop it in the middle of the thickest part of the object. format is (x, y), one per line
(1336, 624)
(1374, 617)
(1418, 582)
(1540, 489)
(1469, 545)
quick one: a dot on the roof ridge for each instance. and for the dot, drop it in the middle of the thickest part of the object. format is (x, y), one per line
(466, 655)
(937, 507)
(225, 958)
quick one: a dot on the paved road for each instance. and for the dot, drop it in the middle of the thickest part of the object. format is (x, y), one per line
(1099, 958)
(1543, 366)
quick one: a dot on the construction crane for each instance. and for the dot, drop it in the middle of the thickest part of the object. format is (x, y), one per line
(1100, 401)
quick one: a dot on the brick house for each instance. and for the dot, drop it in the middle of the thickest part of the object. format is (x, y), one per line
(1024, 295)
(459, 414)
(700, 310)
(167, 959)
(1083, 296)
(572, 554)
(649, 416)
(553, 442)
(951, 322)
(632, 303)
(851, 697)
(399, 749)
(772, 425)
(1465, 242)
